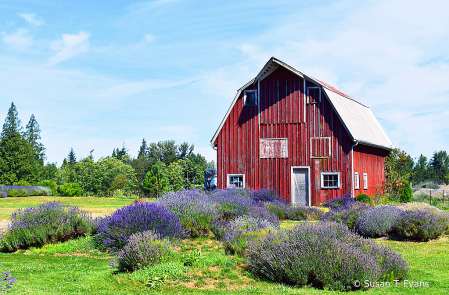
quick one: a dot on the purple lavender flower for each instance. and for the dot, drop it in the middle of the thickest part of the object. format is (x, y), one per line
(139, 217)
(324, 255)
(378, 221)
(419, 226)
(6, 281)
(347, 213)
(340, 201)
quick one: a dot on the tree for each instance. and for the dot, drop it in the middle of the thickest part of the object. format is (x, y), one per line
(184, 150)
(17, 158)
(143, 149)
(71, 158)
(155, 181)
(420, 170)
(397, 168)
(33, 135)
(89, 175)
(175, 179)
(111, 167)
(163, 151)
(439, 166)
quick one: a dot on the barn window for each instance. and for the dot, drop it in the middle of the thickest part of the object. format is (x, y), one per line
(313, 94)
(330, 179)
(356, 180)
(273, 148)
(250, 97)
(237, 180)
(365, 180)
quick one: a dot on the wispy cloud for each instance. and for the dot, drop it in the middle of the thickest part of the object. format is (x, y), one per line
(32, 19)
(20, 39)
(149, 38)
(179, 132)
(69, 46)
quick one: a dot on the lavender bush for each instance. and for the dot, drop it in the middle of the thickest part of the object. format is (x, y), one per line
(347, 213)
(243, 229)
(6, 281)
(139, 217)
(419, 226)
(323, 255)
(377, 222)
(25, 191)
(3, 194)
(260, 212)
(340, 201)
(265, 195)
(280, 209)
(232, 202)
(303, 213)
(143, 249)
(48, 222)
(441, 216)
(194, 209)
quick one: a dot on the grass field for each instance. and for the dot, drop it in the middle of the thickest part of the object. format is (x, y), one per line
(75, 267)
(94, 205)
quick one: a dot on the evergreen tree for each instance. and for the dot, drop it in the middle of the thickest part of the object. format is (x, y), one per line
(71, 158)
(143, 149)
(17, 158)
(33, 135)
(155, 181)
(440, 166)
(114, 154)
(420, 170)
(184, 150)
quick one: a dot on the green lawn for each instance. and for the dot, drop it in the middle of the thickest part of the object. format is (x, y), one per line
(75, 267)
(93, 205)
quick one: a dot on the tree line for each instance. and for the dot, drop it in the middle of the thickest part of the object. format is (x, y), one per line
(159, 167)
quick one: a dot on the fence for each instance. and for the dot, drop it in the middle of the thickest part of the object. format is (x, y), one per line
(435, 195)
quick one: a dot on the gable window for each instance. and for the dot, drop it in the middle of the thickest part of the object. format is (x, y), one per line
(356, 180)
(365, 180)
(237, 180)
(330, 179)
(313, 94)
(250, 97)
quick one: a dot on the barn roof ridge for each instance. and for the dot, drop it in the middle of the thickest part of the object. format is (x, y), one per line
(372, 133)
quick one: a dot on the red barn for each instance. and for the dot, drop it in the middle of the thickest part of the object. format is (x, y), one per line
(291, 132)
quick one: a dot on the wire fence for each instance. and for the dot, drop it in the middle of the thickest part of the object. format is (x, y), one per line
(433, 197)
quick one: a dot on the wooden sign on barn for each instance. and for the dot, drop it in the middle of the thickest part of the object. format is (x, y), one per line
(307, 140)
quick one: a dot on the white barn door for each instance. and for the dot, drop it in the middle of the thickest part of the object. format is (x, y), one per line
(300, 186)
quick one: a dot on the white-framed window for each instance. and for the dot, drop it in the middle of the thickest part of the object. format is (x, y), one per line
(330, 179)
(250, 97)
(356, 180)
(237, 180)
(365, 180)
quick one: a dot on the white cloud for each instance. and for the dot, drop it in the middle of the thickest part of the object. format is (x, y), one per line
(149, 38)
(32, 19)
(20, 39)
(69, 46)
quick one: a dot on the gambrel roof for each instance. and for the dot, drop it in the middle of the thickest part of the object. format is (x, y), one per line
(357, 118)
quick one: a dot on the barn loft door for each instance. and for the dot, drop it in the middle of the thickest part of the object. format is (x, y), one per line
(300, 186)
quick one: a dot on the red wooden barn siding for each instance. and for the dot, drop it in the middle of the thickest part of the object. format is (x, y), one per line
(369, 160)
(282, 116)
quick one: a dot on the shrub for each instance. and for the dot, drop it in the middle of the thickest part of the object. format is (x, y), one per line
(363, 198)
(378, 221)
(3, 195)
(323, 255)
(71, 189)
(405, 192)
(340, 201)
(347, 213)
(304, 213)
(143, 249)
(116, 229)
(232, 202)
(427, 184)
(6, 281)
(49, 222)
(260, 212)
(280, 209)
(14, 193)
(266, 195)
(23, 191)
(218, 228)
(441, 216)
(419, 226)
(49, 184)
(195, 210)
(241, 230)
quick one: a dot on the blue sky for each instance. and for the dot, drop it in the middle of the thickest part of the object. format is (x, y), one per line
(97, 74)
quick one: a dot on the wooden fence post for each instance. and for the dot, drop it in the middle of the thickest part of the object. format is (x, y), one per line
(430, 196)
